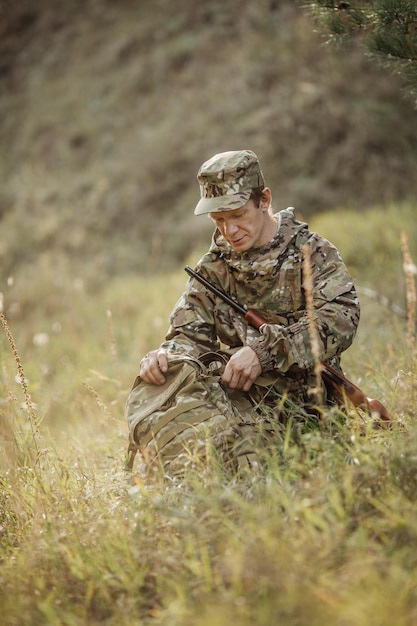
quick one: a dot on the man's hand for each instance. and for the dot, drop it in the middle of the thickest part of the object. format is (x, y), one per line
(153, 365)
(242, 369)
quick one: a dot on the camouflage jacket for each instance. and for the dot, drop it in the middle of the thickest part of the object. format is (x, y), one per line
(269, 280)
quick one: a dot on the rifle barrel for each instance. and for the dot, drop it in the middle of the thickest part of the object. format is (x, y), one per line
(216, 291)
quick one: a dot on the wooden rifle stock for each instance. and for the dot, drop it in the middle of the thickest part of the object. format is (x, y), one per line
(341, 387)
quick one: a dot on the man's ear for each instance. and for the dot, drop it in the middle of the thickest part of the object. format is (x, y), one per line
(266, 198)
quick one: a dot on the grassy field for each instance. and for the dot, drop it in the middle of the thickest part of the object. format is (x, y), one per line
(107, 111)
(324, 533)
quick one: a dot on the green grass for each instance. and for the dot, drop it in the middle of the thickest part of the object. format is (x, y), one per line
(324, 532)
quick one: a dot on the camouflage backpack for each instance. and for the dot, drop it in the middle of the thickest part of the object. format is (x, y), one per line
(191, 416)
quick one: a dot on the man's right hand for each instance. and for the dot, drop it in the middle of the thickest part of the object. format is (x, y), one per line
(153, 366)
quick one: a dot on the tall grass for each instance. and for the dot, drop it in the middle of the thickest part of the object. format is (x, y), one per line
(323, 532)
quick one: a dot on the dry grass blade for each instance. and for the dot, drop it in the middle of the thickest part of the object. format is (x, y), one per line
(312, 323)
(410, 271)
(33, 420)
(113, 344)
(381, 299)
(99, 401)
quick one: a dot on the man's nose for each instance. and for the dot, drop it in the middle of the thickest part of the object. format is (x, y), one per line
(230, 228)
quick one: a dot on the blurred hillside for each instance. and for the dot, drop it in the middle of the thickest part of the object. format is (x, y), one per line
(107, 110)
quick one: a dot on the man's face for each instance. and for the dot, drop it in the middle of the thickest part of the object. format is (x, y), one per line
(244, 228)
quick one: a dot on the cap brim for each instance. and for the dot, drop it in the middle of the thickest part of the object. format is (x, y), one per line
(222, 203)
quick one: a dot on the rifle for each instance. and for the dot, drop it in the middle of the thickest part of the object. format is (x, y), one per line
(337, 382)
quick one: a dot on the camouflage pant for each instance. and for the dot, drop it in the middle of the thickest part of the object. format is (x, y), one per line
(192, 416)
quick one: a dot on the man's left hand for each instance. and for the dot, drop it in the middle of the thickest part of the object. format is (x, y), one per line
(242, 369)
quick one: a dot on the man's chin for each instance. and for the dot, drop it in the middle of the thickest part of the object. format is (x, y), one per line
(240, 246)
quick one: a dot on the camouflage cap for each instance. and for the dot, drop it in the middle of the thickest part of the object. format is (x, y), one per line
(226, 181)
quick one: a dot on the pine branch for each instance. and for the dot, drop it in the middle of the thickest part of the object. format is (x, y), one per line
(387, 28)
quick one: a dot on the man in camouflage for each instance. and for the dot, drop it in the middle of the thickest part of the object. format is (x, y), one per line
(217, 381)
